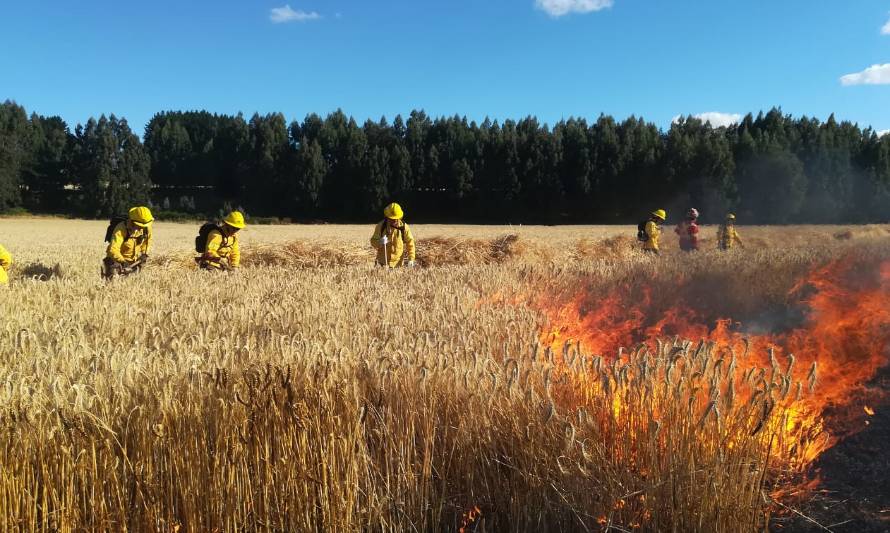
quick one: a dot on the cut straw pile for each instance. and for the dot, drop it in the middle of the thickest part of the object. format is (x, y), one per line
(613, 247)
(453, 251)
(862, 232)
(435, 251)
(307, 254)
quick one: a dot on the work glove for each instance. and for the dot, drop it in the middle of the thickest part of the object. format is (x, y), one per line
(411, 264)
(384, 240)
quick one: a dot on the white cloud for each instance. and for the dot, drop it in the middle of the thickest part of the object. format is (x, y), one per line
(715, 118)
(558, 8)
(886, 29)
(873, 75)
(881, 133)
(279, 15)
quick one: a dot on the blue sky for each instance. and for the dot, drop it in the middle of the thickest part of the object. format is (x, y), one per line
(497, 58)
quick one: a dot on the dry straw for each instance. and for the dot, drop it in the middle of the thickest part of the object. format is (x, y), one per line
(311, 392)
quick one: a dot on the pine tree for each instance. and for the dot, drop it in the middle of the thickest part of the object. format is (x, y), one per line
(230, 156)
(15, 148)
(268, 147)
(113, 167)
(47, 174)
(375, 189)
(133, 168)
(312, 174)
(400, 167)
(461, 179)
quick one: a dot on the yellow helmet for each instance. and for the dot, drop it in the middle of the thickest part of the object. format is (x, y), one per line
(659, 213)
(730, 216)
(235, 219)
(141, 216)
(393, 211)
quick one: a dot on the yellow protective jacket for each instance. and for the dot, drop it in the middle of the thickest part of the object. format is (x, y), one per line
(400, 241)
(5, 263)
(654, 233)
(221, 247)
(727, 237)
(127, 248)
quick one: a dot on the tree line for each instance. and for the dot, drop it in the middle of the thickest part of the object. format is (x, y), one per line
(768, 168)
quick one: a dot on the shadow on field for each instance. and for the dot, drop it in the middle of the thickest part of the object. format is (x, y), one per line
(40, 272)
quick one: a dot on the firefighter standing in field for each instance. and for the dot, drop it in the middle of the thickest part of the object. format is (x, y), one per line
(129, 240)
(688, 231)
(5, 263)
(218, 244)
(649, 232)
(393, 240)
(727, 236)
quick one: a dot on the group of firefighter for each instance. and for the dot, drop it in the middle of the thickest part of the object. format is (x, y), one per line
(129, 240)
(649, 232)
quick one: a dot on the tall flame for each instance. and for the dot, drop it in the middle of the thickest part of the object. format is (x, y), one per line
(840, 340)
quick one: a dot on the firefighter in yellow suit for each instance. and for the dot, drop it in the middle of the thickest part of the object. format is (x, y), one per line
(727, 236)
(653, 231)
(222, 251)
(5, 263)
(129, 244)
(393, 240)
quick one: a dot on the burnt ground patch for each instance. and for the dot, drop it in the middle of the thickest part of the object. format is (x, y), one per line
(854, 495)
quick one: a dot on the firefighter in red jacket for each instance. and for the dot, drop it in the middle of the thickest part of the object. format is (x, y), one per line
(688, 231)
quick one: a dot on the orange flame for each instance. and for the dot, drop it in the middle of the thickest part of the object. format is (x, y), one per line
(468, 518)
(841, 340)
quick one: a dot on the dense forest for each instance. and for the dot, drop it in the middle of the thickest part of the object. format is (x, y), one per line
(769, 168)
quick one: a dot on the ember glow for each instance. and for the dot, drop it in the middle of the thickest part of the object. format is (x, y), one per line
(810, 377)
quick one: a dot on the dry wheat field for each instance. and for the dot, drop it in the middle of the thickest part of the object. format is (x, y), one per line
(522, 379)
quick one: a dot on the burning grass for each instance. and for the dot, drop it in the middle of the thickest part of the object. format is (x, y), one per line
(342, 443)
(310, 391)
